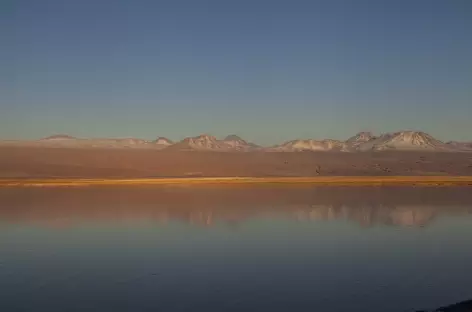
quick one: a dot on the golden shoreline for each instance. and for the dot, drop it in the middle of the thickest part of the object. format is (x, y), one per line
(322, 181)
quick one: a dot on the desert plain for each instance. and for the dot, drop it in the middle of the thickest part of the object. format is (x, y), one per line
(155, 166)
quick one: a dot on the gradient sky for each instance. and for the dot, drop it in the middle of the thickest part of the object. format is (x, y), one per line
(267, 70)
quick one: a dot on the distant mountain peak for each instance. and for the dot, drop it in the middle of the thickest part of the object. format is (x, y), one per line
(200, 142)
(163, 141)
(59, 137)
(204, 136)
(415, 137)
(461, 146)
(311, 145)
(405, 140)
(236, 142)
(208, 142)
(366, 135)
(360, 137)
(411, 132)
(233, 137)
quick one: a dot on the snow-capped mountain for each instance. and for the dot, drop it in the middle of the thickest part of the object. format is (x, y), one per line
(362, 137)
(202, 142)
(366, 141)
(163, 141)
(206, 142)
(310, 145)
(404, 141)
(236, 143)
(361, 142)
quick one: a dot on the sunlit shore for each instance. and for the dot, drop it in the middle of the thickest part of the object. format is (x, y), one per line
(335, 181)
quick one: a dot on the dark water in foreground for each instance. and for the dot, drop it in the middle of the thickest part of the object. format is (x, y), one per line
(244, 249)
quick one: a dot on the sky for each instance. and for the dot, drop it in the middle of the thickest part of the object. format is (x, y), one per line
(267, 70)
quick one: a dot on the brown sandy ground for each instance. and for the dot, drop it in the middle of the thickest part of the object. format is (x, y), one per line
(433, 181)
(37, 162)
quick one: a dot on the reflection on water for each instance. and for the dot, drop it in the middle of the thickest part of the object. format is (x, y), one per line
(207, 206)
(234, 249)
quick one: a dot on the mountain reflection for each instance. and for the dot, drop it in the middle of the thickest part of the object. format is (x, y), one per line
(65, 207)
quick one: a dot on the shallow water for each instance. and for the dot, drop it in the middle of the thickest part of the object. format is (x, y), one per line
(234, 249)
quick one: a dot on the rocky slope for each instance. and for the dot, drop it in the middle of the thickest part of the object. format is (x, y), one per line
(460, 146)
(310, 145)
(404, 141)
(202, 142)
(235, 142)
(354, 142)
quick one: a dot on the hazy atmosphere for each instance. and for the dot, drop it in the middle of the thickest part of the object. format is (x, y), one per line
(267, 70)
(223, 156)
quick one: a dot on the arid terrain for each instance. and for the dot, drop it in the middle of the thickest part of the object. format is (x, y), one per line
(46, 162)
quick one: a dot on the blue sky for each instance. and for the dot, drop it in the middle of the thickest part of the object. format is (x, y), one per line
(267, 70)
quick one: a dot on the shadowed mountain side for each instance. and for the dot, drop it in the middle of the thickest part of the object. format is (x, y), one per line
(207, 205)
(464, 306)
(58, 137)
(135, 163)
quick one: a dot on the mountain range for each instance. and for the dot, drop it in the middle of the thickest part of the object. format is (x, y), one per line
(361, 142)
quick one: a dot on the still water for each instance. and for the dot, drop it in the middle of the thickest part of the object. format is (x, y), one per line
(234, 249)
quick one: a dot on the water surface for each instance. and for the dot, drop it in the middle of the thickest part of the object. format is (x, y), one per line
(234, 249)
